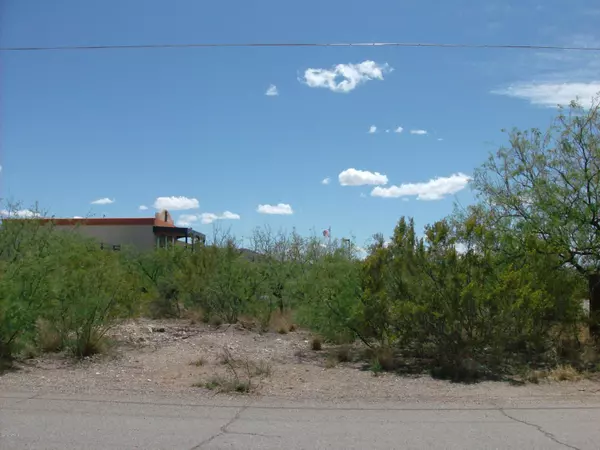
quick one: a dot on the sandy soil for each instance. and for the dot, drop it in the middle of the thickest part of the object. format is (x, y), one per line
(163, 357)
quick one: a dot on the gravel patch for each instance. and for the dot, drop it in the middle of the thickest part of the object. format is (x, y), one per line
(169, 357)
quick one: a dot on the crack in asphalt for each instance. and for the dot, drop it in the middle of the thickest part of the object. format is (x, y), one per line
(538, 428)
(32, 397)
(225, 430)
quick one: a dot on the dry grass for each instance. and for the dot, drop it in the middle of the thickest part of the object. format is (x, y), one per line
(48, 338)
(261, 369)
(560, 373)
(281, 323)
(225, 385)
(96, 343)
(343, 353)
(248, 323)
(331, 362)
(535, 376)
(564, 373)
(385, 358)
(198, 362)
(242, 375)
(215, 321)
(194, 315)
(316, 344)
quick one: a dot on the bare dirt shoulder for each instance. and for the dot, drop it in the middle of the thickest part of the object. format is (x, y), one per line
(170, 357)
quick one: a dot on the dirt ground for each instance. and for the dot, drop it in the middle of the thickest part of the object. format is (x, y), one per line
(177, 357)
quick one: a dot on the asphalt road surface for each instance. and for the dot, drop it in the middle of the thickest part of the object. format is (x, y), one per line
(76, 422)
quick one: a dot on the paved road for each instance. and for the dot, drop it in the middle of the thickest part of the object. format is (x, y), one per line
(70, 422)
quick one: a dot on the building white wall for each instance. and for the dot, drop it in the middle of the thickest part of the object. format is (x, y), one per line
(139, 236)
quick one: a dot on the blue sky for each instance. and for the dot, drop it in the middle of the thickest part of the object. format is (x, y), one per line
(194, 128)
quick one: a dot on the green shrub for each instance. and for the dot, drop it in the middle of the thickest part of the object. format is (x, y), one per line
(26, 270)
(92, 289)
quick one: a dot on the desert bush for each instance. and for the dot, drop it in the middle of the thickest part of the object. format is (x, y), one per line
(26, 269)
(91, 290)
(242, 375)
(327, 294)
(158, 275)
(218, 280)
(468, 313)
(230, 289)
(57, 277)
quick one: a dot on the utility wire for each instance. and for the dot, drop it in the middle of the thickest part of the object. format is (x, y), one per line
(299, 44)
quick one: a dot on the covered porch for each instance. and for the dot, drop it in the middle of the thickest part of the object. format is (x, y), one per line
(168, 237)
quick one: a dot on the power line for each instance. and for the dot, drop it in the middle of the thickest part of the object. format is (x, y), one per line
(299, 44)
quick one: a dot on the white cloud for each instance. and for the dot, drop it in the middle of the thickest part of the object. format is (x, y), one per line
(387, 131)
(77, 217)
(103, 201)
(0, 168)
(279, 209)
(440, 139)
(143, 208)
(421, 132)
(272, 91)
(230, 216)
(19, 214)
(326, 180)
(344, 77)
(372, 129)
(399, 130)
(207, 218)
(188, 220)
(176, 203)
(553, 94)
(354, 177)
(434, 189)
(551, 78)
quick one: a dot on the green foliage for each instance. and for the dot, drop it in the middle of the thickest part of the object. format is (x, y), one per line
(543, 190)
(63, 279)
(472, 311)
(326, 296)
(26, 268)
(157, 274)
(91, 289)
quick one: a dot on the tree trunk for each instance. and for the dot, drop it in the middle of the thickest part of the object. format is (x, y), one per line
(594, 286)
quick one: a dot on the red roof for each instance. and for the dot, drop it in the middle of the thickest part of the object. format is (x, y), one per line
(107, 221)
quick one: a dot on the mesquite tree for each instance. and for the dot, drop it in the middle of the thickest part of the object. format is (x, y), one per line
(547, 185)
